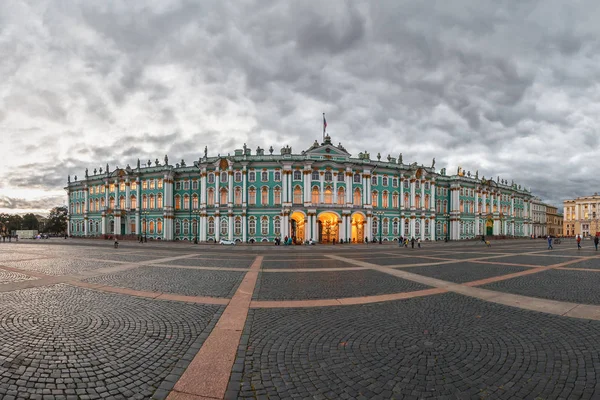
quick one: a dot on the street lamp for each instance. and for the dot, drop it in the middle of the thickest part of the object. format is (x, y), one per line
(197, 214)
(447, 217)
(145, 214)
(379, 217)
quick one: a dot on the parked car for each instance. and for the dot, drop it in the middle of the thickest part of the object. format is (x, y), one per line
(225, 241)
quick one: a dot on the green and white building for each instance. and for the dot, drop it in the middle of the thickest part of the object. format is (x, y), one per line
(322, 193)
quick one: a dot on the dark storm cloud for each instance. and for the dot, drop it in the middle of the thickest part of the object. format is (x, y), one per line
(13, 203)
(505, 88)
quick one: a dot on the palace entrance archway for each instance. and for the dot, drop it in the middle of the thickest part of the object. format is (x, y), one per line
(328, 227)
(358, 228)
(298, 227)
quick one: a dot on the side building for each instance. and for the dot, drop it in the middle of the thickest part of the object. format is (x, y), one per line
(554, 221)
(323, 194)
(581, 216)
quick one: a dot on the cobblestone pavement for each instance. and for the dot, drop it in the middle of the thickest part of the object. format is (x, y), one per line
(81, 320)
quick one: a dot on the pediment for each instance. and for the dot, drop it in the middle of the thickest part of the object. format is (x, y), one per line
(326, 149)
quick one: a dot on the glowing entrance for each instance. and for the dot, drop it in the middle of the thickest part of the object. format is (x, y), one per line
(358, 228)
(328, 227)
(297, 227)
(489, 227)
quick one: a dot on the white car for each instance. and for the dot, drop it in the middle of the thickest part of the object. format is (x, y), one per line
(225, 241)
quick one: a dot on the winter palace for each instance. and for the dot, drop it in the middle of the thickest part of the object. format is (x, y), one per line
(323, 194)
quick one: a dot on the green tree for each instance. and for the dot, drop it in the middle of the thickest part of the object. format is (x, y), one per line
(30, 222)
(57, 220)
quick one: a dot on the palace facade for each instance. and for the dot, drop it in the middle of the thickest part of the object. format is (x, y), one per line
(581, 216)
(323, 194)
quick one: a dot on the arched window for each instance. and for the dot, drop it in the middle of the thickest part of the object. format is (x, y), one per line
(159, 226)
(395, 227)
(406, 183)
(251, 176)
(426, 205)
(426, 223)
(159, 203)
(151, 226)
(315, 195)
(238, 196)
(195, 201)
(224, 226)
(264, 196)
(277, 176)
(252, 196)
(297, 195)
(132, 201)
(211, 197)
(374, 226)
(438, 206)
(357, 178)
(328, 176)
(384, 181)
(462, 206)
(417, 184)
(122, 202)
(445, 206)
(122, 186)
(385, 227)
(297, 175)
(252, 226)
(264, 176)
(238, 226)
(211, 226)
(357, 198)
(417, 228)
(152, 203)
(112, 202)
(374, 180)
(328, 195)
(177, 228)
(340, 176)
(211, 178)
(438, 229)
(341, 197)
(418, 202)
(223, 177)
(315, 175)
(277, 196)
(395, 200)
(101, 203)
(223, 197)
(375, 199)
(406, 200)
(277, 226)
(264, 225)
(385, 201)
(406, 227)
(238, 176)
(195, 227)
(144, 202)
(98, 205)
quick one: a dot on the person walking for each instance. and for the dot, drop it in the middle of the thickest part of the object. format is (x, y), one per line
(419, 242)
(412, 242)
(578, 242)
(596, 240)
(549, 243)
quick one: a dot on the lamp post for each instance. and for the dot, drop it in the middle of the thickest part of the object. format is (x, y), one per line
(145, 214)
(447, 217)
(379, 217)
(197, 214)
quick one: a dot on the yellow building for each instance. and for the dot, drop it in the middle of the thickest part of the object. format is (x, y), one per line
(554, 221)
(581, 216)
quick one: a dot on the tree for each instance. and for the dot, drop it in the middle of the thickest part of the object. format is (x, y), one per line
(30, 222)
(57, 220)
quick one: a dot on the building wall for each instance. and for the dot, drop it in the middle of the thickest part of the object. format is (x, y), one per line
(582, 216)
(321, 194)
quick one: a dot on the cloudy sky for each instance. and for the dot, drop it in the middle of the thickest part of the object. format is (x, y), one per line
(509, 88)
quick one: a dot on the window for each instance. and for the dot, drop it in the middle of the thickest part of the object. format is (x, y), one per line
(160, 183)
(151, 183)
(160, 201)
(195, 184)
(252, 196)
(374, 180)
(186, 185)
(297, 195)
(406, 184)
(374, 199)
(418, 185)
(357, 199)
(315, 195)
(186, 202)
(252, 226)
(122, 202)
(195, 227)
(374, 226)
(195, 201)
(151, 226)
(237, 226)
(297, 175)
(111, 188)
(328, 195)
(177, 202)
(223, 196)
(395, 200)
(385, 200)
(224, 226)
(341, 197)
(328, 176)
(177, 228)
(356, 178)
(315, 175)
(251, 176)
(277, 226)
(151, 205)
(340, 177)
(264, 226)
(426, 185)
(417, 228)
(211, 178)
(277, 176)
(112, 202)
(426, 228)
(211, 226)
(98, 204)
(122, 186)
(384, 181)
(211, 197)
(133, 186)
(395, 227)
(102, 202)
(238, 196)
(395, 182)
(264, 196)
(385, 227)
(177, 185)
(264, 176)
(277, 196)
(406, 200)
(238, 176)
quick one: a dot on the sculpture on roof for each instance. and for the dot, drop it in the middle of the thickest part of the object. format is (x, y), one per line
(205, 151)
(166, 160)
(433, 163)
(400, 159)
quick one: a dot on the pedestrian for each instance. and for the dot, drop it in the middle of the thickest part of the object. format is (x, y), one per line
(578, 242)
(419, 242)
(596, 240)
(366, 240)
(400, 241)
(549, 243)
(116, 242)
(406, 242)
(412, 242)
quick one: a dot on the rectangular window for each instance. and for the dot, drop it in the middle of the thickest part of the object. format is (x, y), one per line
(144, 185)
(159, 183)
(195, 185)
(151, 183)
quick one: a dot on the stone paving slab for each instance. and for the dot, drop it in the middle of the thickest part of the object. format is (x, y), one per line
(208, 262)
(586, 264)
(329, 285)
(544, 260)
(189, 282)
(10, 277)
(402, 260)
(437, 347)
(465, 271)
(466, 255)
(563, 285)
(58, 266)
(310, 263)
(64, 341)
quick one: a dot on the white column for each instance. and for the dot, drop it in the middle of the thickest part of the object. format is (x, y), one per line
(244, 228)
(315, 227)
(103, 224)
(86, 208)
(307, 185)
(335, 198)
(369, 230)
(432, 229)
(127, 194)
(349, 188)
(369, 191)
(402, 233)
(244, 186)
(343, 228)
(230, 229)
(412, 227)
(423, 222)
(217, 227)
(322, 188)
(106, 188)
(230, 187)
(217, 188)
(432, 197)
(402, 205)
(422, 202)
(412, 198)
(484, 203)
(117, 226)
(284, 187)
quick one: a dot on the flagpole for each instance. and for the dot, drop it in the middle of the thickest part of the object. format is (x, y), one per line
(324, 127)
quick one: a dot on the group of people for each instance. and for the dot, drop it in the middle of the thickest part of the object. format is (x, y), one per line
(405, 241)
(577, 239)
